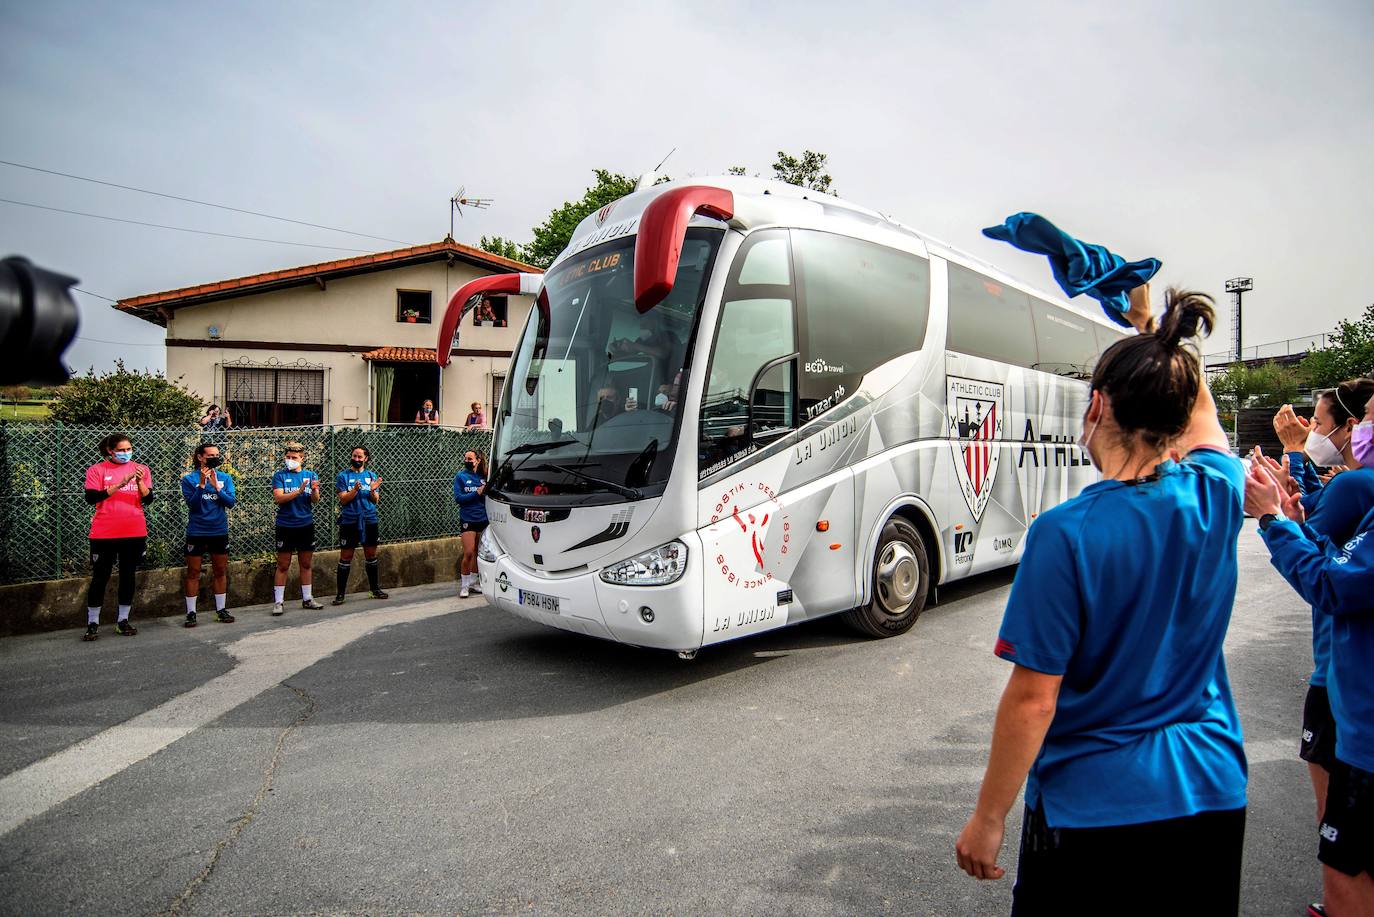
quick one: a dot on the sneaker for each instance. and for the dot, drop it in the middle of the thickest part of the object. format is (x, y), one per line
(463, 593)
(338, 600)
(224, 617)
(1316, 909)
(477, 586)
(190, 619)
(311, 604)
(90, 633)
(278, 610)
(125, 629)
(379, 594)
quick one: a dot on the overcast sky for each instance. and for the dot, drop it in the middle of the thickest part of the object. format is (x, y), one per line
(1226, 138)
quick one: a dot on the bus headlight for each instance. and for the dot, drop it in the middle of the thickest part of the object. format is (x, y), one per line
(487, 550)
(663, 565)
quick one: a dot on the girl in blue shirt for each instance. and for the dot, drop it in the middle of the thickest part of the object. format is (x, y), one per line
(469, 492)
(1118, 713)
(295, 490)
(359, 489)
(209, 493)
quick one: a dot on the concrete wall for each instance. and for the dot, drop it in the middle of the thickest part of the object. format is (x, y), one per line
(57, 604)
(357, 311)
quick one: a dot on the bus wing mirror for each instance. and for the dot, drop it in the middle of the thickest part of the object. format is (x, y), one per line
(467, 298)
(662, 229)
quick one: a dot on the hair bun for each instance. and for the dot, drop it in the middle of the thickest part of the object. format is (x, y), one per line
(1187, 313)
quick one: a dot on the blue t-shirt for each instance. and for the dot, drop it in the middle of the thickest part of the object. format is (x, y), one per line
(1334, 511)
(1126, 591)
(1338, 580)
(472, 506)
(294, 514)
(205, 506)
(363, 506)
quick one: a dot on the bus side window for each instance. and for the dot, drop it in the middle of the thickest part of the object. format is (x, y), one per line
(1066, 342)
(862, 304)
(989, 319)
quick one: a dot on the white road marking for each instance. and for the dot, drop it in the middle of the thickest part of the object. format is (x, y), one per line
(265, 659)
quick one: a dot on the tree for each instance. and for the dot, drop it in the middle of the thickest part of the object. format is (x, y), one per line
(1349, 353)
(552, 236)
(499, 245)
(806, 172)
(1269, 385)
(126, 398)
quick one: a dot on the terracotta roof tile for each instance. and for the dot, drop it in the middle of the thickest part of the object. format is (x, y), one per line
(401, 355)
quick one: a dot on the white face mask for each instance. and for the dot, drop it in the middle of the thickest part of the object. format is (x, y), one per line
(293, 465)
(1321, 450)
(1086, 437)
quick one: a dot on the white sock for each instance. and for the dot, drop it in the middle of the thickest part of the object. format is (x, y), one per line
(93, 615)
(467, 580)
(219, 600)
(278, 594)
(124, 612)
(190, 604)
(305, 593)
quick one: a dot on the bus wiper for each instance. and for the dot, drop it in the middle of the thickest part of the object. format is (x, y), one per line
(612, 486)
(540, 447)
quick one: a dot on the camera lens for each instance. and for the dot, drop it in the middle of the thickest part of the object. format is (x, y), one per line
(38, 319)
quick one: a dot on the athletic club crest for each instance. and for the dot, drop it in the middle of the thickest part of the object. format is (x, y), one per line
(975, 426)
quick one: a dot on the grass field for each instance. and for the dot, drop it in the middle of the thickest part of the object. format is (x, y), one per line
(23, 410)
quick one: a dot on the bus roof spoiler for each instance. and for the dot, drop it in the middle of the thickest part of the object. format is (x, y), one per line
(467, 298)
(662, 229)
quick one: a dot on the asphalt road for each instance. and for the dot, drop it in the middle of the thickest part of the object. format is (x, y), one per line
(434, 756)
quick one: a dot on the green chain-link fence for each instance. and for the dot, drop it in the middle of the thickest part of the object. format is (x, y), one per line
(45, 520)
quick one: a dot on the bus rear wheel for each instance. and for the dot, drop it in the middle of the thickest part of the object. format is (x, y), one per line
(900, 584)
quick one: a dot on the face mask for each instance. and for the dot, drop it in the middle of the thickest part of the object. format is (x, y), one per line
(1321, 449)
(293, 465)
(213, 461)
(469, 465)
(1362, 443)
(357, 464)
(660, 400)
(123, 456)
(1087, 436)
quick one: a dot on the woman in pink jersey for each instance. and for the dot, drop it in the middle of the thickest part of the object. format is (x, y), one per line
(118, 488)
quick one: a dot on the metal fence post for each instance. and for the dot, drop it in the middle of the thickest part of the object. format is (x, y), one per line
(58, 499)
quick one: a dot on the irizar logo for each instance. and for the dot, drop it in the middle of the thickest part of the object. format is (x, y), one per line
(975, 425)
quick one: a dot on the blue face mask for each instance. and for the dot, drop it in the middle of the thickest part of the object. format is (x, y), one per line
(123, 456)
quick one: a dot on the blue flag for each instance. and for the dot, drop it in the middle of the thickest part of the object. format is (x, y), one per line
(1079, 267)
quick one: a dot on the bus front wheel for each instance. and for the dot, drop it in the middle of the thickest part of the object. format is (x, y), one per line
(900, 583)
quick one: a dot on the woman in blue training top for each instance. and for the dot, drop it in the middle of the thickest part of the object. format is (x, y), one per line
(295, 490)
(359, 489)
(1118, 713)
(209, 493)
(469, 490)
(1337, 578)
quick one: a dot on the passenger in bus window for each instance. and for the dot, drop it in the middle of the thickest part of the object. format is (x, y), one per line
(1118, 714)
(608, 403)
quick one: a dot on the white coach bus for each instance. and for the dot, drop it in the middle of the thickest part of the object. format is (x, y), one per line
(739, 404)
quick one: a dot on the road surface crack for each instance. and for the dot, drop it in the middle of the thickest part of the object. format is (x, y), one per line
(182, 901)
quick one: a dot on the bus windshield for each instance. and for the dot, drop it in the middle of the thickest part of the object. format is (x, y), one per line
(591, 407)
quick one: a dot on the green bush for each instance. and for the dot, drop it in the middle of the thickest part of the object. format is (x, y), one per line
(1349, 354)
(126, 398)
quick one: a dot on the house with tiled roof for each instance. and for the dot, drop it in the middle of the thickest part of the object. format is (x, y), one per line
(350, 341)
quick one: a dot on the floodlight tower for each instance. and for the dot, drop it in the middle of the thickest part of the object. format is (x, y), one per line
(1237, 287)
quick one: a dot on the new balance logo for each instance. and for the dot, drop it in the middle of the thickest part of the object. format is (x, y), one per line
(1329, 833)
(1307, 735)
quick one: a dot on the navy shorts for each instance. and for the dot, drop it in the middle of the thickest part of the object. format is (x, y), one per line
(351, 536)
(296, 539)
(200, 545)
(1318, 745)
(1347, 828)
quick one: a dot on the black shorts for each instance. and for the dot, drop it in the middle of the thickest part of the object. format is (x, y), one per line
(200, 545)
(1318, 744)
(1347, 828)
(351, 536)
(297, 539)
(478, 527)
(1078, 870)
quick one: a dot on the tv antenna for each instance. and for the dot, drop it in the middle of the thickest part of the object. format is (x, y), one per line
(460, 200)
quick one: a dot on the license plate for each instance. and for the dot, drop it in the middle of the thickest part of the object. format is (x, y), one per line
(538, 600)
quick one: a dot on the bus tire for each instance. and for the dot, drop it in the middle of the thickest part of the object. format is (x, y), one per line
(900, 583)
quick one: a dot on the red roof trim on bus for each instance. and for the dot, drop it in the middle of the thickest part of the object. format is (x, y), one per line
(453, 313)
(662, 229)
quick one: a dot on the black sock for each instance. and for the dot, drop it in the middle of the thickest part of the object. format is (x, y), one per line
(373, 575)
(341, 577)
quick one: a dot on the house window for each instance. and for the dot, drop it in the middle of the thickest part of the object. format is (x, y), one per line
(413, 306)
(491, 311)
(274, 397)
